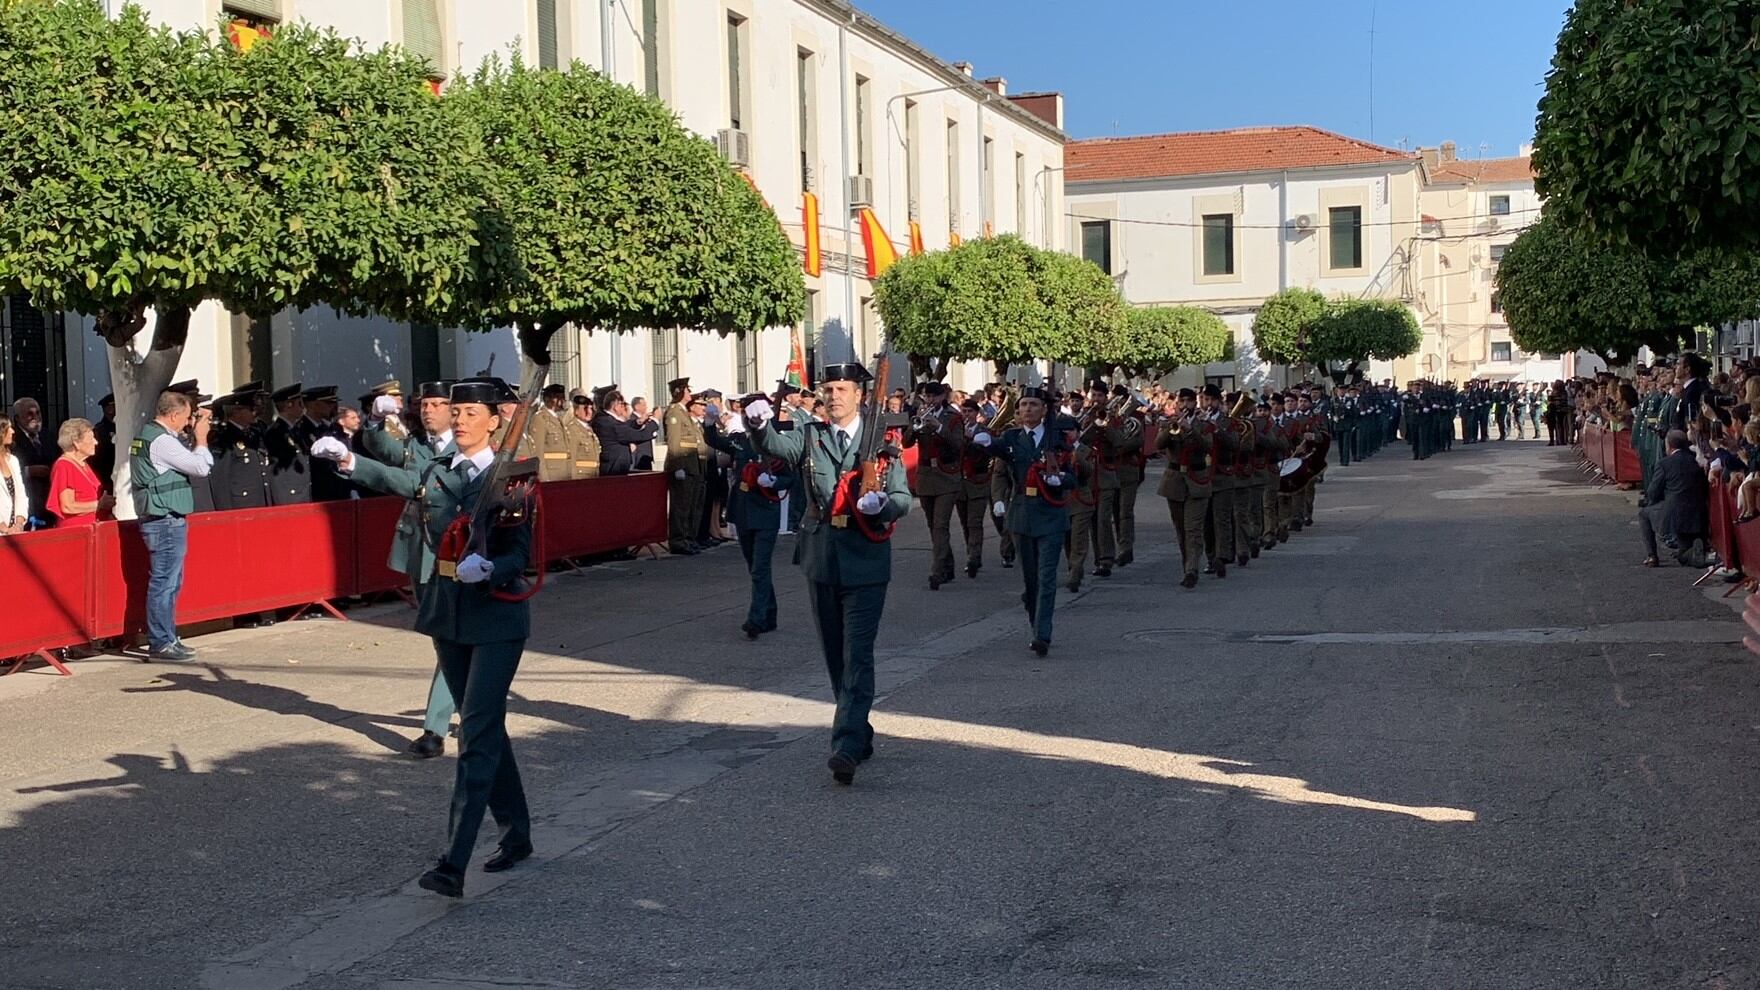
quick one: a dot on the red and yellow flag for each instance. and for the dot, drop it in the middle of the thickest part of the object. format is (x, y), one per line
(916, 237)
(811, 261)
(953, 239)
(989, 230)
(243, 36)
(797, 359)
(881, 253)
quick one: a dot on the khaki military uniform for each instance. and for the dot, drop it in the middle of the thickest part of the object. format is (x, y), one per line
(1187, 485)
(973, 502)
(525, 449)
(1276, 448)
(939, 486)
(685, 452)
(1126, 440)
(583, 449)
(548, 432)
(1219, 527)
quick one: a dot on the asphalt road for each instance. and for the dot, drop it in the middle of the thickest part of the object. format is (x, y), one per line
(1450, 737)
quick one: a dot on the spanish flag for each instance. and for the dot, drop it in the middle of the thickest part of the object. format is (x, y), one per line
(243, 36)
(953, 239)
(881, 253)
(811, 260)
(989, 230)
(916, 237)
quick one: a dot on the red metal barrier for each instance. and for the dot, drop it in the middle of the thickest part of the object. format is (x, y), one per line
(238, 563)
(598, 515)
(74, 585)
(1624, 458)
(1590, 440)
(48, 600)
(1723, 524)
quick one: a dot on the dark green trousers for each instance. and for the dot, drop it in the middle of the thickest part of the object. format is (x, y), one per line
(848, 620)
(487, 777)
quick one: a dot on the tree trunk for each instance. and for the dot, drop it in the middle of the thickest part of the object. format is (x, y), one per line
(1001, 370)
(136, 381)
(534, 357)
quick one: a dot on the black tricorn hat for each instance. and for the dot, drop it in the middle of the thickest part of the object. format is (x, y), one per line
(678, 383)
(479, 390)
(109, 399)
(319, 392)
(850, 372)
(290, 392)
(1036, 392)
(1212, 391)
(437, 390)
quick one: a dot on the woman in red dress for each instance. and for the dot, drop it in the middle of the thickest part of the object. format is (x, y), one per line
(76, 496)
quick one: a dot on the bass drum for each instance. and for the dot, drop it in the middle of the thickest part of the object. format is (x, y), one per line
(1293, 474)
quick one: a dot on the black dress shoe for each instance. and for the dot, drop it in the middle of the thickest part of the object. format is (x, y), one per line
(1221, 569)
(1124, 559)
(972, 570)
(1255, 552)
(1075, 584)
(1210, 568)
(934, 582)
(427, 745)
(1039, 646)
(1190, 581)
(843, 768)
(1008, 563)
(750, 630)
(444, 879)
(867, 754)
(505, 859)
(1104, 570)
(1241, 561)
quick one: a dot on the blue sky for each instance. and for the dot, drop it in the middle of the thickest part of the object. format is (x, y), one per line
(1470, 73)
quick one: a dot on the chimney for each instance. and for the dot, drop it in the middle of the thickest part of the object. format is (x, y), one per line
(997, 85)
(1448, 151)
(1525, 151)
(1431, 158)
(965, 67)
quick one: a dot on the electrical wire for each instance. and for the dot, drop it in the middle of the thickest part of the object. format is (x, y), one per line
(1282, 226)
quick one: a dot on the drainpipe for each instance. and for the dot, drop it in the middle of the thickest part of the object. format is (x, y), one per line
(849, 277)
(605, 48)
(1283, 235)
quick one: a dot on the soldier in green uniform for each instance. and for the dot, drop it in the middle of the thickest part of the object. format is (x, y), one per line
(1189, 442)
(1124, 439)
(1031, 493)
(1094, 496)
(409, 556)
(684, 470)
(1246, 498)
(754, 507)
(1219, 525)
(976, 470)
(1269, 449)
(469, 609)
(938, 432)
(848, 561)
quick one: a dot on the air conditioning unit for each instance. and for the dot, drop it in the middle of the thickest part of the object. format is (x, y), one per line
(735, 146)
(1304, 221)
(861, 191)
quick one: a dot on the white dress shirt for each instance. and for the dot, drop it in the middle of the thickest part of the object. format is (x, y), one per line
(479, 462)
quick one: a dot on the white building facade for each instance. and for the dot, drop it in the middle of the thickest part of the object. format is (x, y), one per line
(802, 94)
(1224, 219)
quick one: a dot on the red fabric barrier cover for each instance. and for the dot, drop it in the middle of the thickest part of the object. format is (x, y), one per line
(1624, 458)
(1723, 523)
(48, 600)
(238, 563)
(597, 515)
(1747, 546)
(375, 526)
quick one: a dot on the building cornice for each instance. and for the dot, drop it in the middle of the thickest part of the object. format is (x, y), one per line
(845, 12)
(1270, 176)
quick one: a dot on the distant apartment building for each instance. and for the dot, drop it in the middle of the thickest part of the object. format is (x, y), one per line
(1472, 211)
(805, 96)
(1225, 219)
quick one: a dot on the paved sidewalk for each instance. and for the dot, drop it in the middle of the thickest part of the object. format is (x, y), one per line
(1450, 737)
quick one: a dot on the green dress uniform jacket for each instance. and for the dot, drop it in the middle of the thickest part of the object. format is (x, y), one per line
(748, 508)
(1037, 526)
(831, 551)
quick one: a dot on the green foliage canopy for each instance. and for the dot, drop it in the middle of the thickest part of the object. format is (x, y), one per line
(620, 217)
(1167, 337)
(1284, 324)
(1089, 320)
(1358, 329)
(980, 300)
(1648, 132)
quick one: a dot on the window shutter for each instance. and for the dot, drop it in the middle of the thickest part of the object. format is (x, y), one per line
(547, 58)
(268, 10)
(421, 33)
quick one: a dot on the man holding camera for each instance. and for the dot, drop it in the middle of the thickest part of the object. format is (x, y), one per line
(162, 468)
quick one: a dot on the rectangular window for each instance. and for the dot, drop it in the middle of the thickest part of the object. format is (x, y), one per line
(1097, 243)
(913, 193)
(665, 365)
(1020, 194)
(953, 175)
(810, 337)
(1496, 302)
(421, 35)
(864, 165)
(547, 56)
(987, 194)
(746, 353)
(1500, 350)
(1497, 254)
(1345, 236)
(736, 90)
(262, 11)
(1500, 206)
(652, 47)
(1218, 244)
(805, 101)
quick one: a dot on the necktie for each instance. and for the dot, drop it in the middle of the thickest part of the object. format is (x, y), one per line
(842, 442)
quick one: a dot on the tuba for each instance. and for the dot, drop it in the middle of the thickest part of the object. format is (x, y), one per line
(1004, 417)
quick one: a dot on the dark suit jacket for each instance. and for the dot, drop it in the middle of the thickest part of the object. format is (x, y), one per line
(1679, 483)
(615, 437)
(1692, 395)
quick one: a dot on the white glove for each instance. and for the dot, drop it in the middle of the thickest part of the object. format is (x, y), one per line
(871, 503)
(330, 449)
(679, 474)
(767, 480)
(981, 439)
(999, 509)
(385, 405)
(475, 569)
(758, 412)
(1054, 480)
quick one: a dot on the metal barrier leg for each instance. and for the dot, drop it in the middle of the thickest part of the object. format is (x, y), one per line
(47, 657)
(321, 603)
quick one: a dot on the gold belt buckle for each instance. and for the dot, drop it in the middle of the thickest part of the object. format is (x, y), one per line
(448, 568)
(744, 487)
(839, 522)
(1031, 491)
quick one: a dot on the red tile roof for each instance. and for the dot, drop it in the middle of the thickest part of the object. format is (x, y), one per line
(1249, 149)
(1484, 170)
